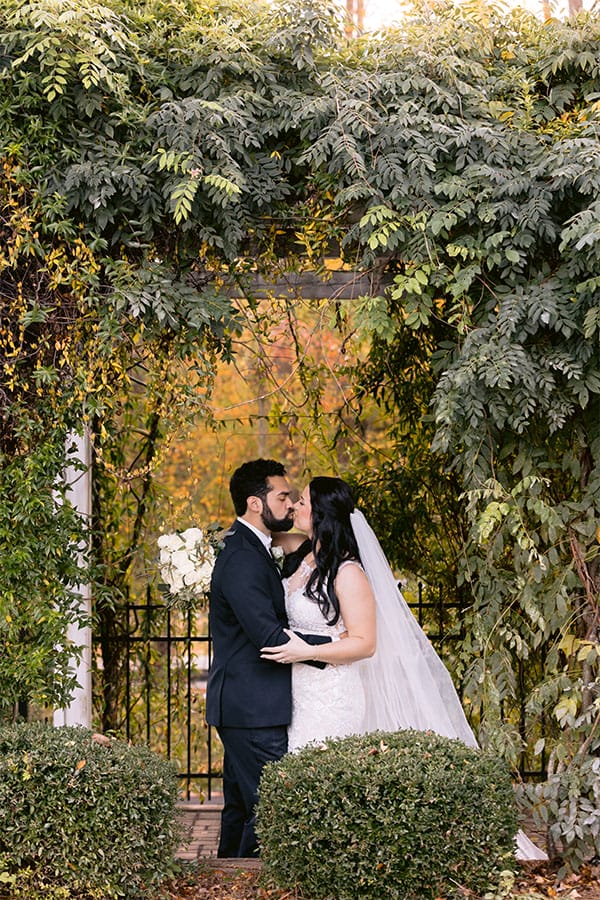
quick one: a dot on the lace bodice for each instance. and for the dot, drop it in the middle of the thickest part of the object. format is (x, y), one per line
(326, 702)
(304, 614)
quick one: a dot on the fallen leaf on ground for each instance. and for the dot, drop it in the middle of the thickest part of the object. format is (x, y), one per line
(219, 884)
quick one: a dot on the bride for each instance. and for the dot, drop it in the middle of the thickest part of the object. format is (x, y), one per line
(383, 673)
(329, 593)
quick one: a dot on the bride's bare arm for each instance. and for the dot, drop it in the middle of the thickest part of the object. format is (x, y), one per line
(289, 540)
(357, 606)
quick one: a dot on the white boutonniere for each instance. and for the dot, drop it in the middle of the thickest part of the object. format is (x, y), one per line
(278, 555)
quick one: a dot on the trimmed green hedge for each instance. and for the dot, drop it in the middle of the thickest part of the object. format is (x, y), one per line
(82, 815)
(403, 815)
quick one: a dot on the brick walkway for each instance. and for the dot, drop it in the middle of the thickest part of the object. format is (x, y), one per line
(203, 821)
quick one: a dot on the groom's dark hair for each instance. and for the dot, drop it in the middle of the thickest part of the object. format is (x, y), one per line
(250, 480)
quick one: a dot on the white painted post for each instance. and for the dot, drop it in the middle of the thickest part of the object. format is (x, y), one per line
(79, 710)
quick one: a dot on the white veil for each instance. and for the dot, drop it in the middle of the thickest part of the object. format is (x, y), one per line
(406, 683)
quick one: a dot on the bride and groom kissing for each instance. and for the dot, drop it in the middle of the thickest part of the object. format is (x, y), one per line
(323, 648)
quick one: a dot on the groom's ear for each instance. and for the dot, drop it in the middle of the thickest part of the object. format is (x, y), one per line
(254, 504)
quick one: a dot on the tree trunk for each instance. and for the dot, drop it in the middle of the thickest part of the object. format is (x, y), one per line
(355, 10)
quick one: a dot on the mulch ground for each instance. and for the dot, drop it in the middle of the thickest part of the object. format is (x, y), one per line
(535, 882)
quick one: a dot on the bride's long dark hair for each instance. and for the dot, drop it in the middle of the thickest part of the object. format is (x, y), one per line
(333, 540)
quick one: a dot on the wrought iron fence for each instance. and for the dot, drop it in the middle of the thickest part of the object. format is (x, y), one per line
(168, 654)
(168, 657)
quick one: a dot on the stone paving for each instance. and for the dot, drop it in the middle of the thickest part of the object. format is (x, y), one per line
(203, 821)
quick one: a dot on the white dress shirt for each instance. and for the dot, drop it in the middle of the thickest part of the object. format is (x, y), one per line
(265, 539)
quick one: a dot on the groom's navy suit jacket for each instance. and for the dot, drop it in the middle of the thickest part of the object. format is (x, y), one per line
(247, 612)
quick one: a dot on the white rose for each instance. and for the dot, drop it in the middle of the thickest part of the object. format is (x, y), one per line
(186, 561)
(175, 582)
(169, 542)
(164, 558)
(191, 578)
(192, 536)
(182, 562)
(206, 573)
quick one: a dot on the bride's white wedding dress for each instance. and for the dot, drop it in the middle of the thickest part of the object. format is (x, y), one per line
(329, 702)
(404, 685)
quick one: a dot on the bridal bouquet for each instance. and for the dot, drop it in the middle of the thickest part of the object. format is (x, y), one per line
(186, 562)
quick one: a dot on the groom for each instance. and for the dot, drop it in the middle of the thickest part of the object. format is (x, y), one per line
(249, 698)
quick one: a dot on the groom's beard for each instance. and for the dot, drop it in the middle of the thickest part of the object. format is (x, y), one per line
(274, 524)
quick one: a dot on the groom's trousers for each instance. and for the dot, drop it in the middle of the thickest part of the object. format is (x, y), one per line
(247, 750)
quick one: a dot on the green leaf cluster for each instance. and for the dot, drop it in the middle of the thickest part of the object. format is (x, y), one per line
(83, 815)
(40, 536)
(371, 816)
(104, 322)
(464, 154)
(567, 805)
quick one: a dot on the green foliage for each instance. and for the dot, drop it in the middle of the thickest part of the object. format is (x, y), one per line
(567, 805)
(40, 534)
(100, 311)
(466, 151)
(83, 815)
(456, 159)
(414, 502)
(404, 815)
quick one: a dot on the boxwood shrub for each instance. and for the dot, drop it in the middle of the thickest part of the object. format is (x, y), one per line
(402, 815)
(82, 815)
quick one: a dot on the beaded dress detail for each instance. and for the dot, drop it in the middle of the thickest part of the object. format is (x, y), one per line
(326, 702)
